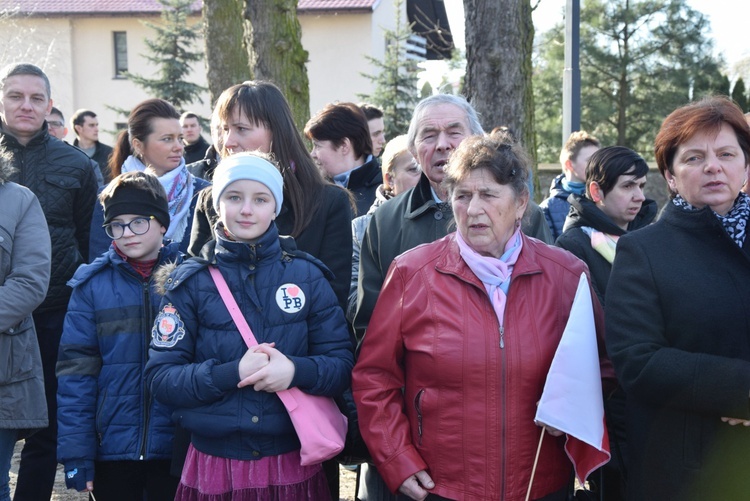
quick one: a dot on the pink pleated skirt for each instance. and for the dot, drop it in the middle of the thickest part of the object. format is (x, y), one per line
(273, 478)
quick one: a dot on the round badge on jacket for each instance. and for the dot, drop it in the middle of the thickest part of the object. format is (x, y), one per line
(168, 327)
(290, 298)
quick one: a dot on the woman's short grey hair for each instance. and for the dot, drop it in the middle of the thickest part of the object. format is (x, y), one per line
(499, 153)
(471, 115)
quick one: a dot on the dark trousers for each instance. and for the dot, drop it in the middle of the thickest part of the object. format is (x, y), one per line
(134, 481)
(36, 473)
(331, 470)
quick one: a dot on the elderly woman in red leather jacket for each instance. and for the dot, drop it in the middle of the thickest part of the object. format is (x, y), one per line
(461, 340)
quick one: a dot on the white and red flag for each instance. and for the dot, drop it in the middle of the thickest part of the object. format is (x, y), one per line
(572, 398)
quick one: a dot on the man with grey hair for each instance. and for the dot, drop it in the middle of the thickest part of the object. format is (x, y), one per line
(421, 215)
(62, 177)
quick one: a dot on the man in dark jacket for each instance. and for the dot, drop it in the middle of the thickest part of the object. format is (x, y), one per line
(62, 177)
(421, 214)
(86, 127)
(195, 145)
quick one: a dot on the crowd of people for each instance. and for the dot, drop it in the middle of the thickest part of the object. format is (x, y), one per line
(410, 279)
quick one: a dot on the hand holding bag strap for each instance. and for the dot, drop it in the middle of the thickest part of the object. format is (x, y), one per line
(234, 310)
(319, 424)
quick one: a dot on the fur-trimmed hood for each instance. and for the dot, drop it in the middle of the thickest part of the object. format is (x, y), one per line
(6, 166)
(160, 276)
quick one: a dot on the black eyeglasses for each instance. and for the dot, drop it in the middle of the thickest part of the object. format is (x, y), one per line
(54, 123)
(138, 226)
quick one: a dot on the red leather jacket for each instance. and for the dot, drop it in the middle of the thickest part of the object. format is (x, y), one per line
(470, 387)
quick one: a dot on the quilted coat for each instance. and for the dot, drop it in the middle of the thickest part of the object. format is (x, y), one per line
(193, 363)
(63, 179)
(105, 410)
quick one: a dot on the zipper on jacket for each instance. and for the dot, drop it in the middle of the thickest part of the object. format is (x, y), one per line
(99, 433)
(147, 319)
(503, 416)
(418, 408)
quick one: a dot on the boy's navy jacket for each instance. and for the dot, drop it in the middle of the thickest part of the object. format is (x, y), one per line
(196, 348)
(105, 411)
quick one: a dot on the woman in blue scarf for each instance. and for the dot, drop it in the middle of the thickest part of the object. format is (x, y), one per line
(153, 141)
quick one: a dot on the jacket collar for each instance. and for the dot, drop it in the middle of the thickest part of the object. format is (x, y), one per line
(265, 250)
(368, 174)
(584, 212)
(380, 198)
(420, 199)
(97, 145)
(9, 141)
(200, 144)
(451, 262)
(168, 253)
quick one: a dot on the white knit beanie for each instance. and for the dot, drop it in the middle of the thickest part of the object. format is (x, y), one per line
(248, 166)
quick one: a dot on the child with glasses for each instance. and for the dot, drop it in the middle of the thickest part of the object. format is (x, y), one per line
(114, 439)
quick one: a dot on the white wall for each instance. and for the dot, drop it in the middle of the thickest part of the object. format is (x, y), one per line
(77, 53)
(337, 45)
(78, 56)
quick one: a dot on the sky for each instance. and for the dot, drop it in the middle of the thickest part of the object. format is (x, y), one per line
(729, 22)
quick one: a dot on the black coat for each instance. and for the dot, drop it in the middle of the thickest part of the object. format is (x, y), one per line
(678, 333)
(197, 151)
(62, 177)
(101, 157)
(363, 183)
(205, 167)
(584, 212)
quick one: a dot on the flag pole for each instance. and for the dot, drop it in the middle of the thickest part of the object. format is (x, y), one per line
(536, 460)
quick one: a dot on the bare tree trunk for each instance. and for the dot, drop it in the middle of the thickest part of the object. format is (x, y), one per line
(499, 41)
(226, 55)
(276, 54)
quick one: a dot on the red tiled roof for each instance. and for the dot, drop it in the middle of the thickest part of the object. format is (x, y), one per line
(56, 7)
(336, 5)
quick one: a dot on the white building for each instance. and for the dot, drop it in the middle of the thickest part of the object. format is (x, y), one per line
(84, 45)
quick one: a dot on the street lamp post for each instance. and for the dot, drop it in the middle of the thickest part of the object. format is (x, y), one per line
(572, 70)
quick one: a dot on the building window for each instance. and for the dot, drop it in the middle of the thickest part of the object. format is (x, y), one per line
(121, 53)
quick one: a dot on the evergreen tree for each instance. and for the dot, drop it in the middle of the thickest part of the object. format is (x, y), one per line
(640, 59)
(395, 79)
(739, 94)
(172, 51)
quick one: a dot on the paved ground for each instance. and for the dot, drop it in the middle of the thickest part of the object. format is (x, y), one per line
(62, 494)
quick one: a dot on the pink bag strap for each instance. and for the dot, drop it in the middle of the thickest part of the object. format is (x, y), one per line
(231, 304)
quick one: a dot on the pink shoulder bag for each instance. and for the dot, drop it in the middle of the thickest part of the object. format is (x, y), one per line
(319, 424)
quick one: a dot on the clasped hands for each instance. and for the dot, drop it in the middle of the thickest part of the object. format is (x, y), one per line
(265, 369)
(735, 421)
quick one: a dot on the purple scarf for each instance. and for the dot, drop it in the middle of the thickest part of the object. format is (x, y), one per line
(493, 272)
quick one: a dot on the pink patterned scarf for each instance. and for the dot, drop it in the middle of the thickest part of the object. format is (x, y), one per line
(493, 272)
